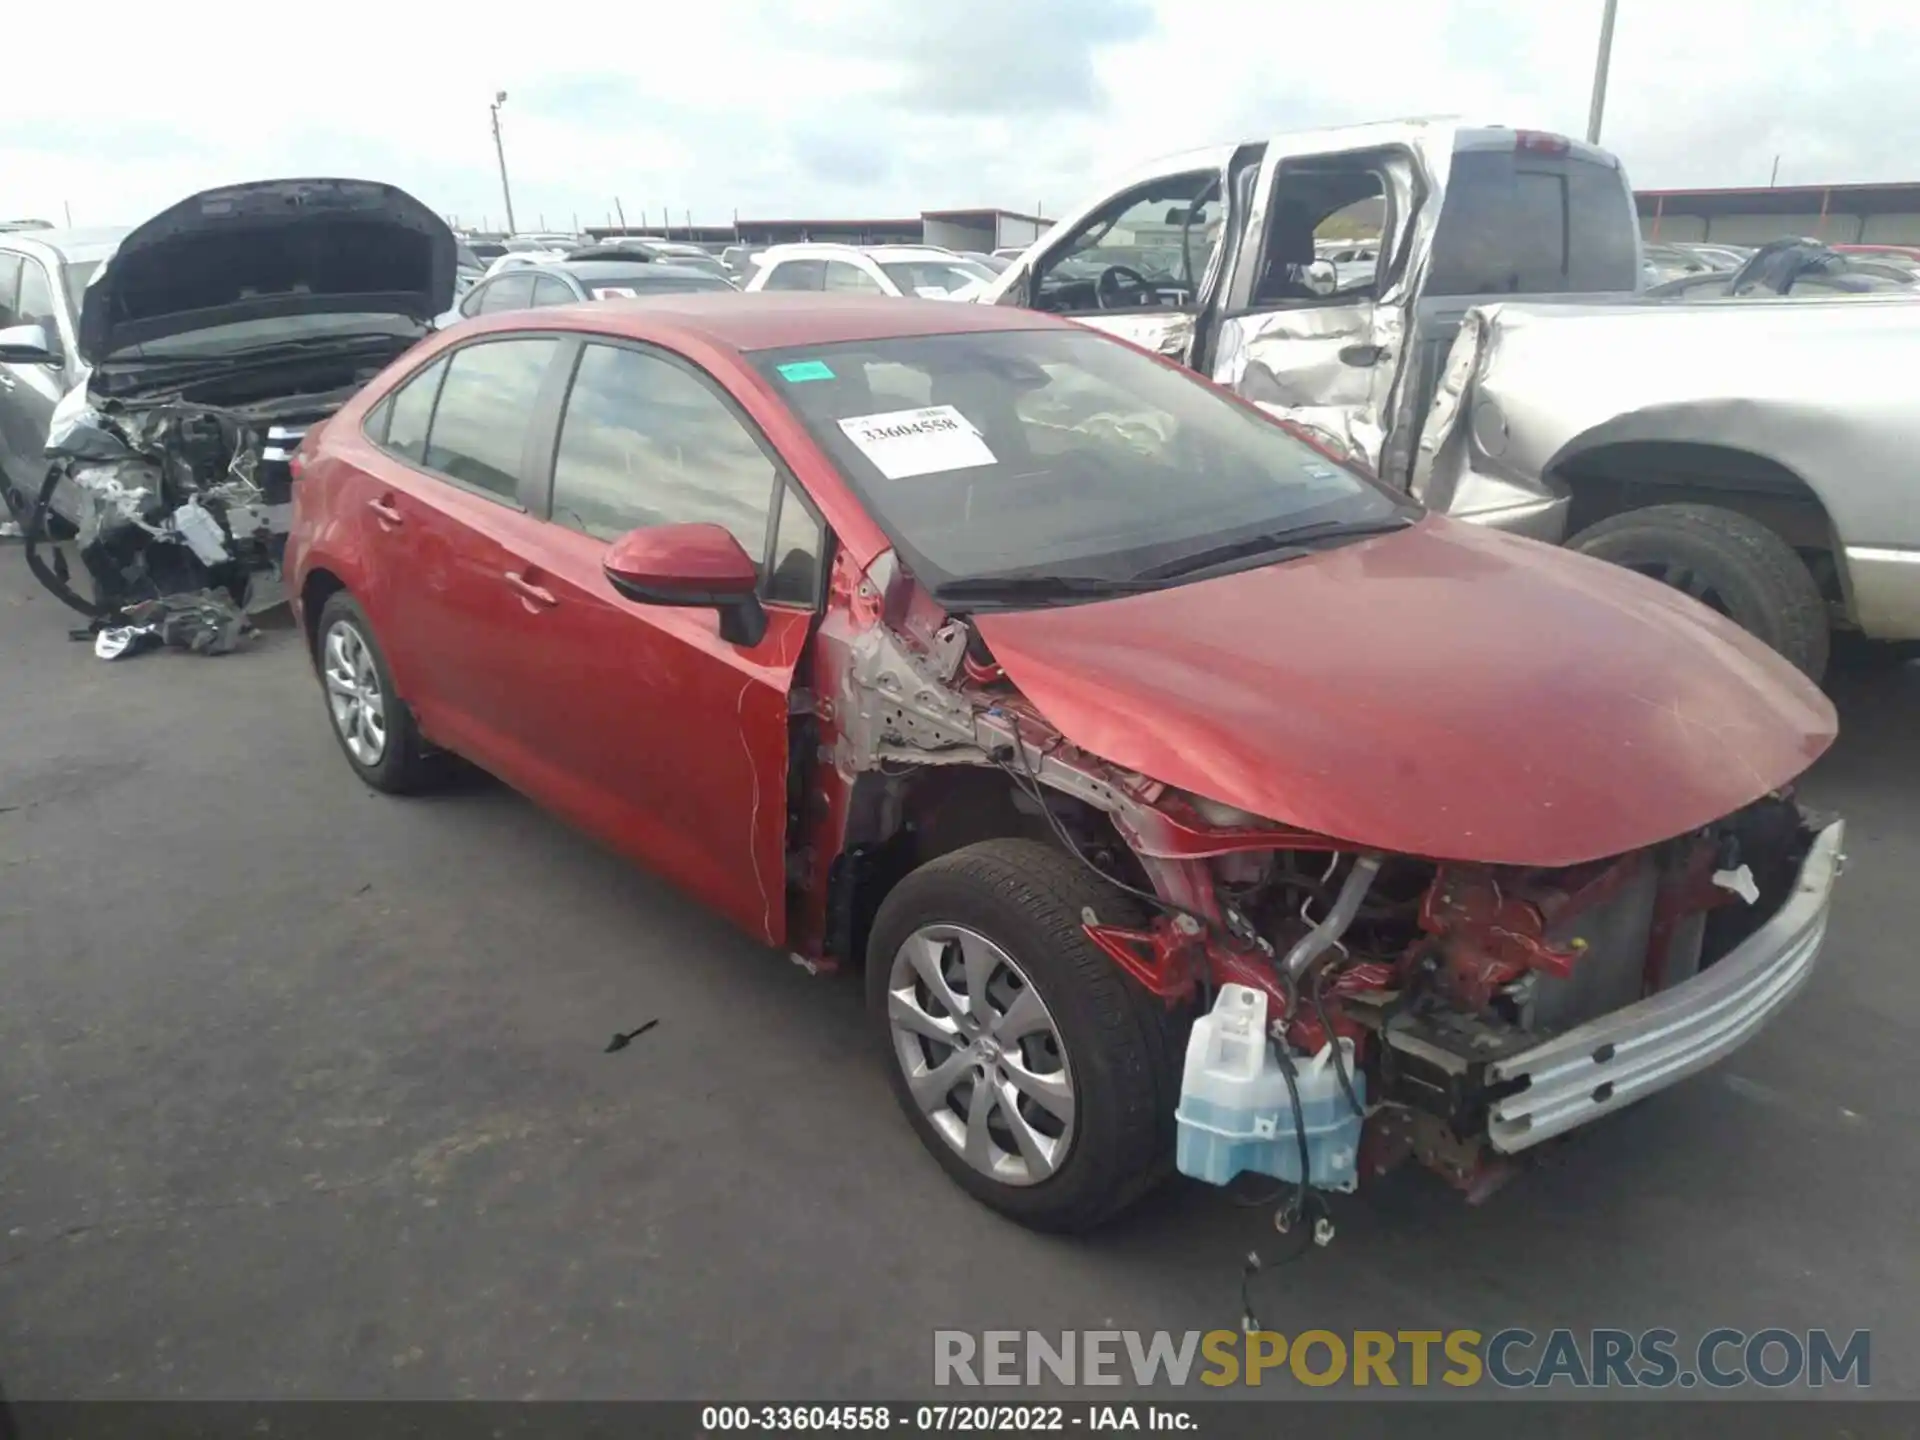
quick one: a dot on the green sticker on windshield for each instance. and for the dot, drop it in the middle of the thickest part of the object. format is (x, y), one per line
(801, 370)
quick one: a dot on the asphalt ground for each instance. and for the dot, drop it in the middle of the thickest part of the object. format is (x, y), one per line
(304, 1092)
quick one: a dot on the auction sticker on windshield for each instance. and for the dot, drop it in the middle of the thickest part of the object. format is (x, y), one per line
(614, 292)
(905, 443)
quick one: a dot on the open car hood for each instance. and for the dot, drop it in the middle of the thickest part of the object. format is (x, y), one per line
(270, 248)
(1445, 691)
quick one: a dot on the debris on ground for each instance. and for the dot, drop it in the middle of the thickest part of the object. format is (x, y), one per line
(205, 622)
(620, 1042)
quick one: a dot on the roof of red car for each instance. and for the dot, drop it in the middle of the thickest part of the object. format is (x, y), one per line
(769, 321)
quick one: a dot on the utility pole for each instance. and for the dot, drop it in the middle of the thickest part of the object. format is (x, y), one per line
(500, 152)
(1599, 104)
(1774, 179)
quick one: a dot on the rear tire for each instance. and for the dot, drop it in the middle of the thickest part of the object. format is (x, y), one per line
(1115, 1049)
(1728, 562)
(373, 725)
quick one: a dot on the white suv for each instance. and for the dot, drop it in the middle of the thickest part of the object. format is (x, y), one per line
(902, 270)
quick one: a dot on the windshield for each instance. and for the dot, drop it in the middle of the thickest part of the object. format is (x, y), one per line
(78, 273)
(945, 276)
(1025, 453)
(217, 340)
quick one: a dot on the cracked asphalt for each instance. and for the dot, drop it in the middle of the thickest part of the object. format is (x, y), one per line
(305, 1092)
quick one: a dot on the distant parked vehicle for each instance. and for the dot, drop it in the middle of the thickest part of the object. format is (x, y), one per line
(1800, 268)
(567, 282)
(1720, 257)
(43, 276)
(898, 270)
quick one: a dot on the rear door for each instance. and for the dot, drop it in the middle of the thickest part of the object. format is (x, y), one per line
(1301, 334)
(449, 512)
(642, 723)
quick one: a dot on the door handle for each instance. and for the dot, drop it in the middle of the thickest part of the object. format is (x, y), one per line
(388, 514)
(1362, 356)
(530, 592)
(6, 381)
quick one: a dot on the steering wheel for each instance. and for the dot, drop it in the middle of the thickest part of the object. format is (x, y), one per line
(1107, 291)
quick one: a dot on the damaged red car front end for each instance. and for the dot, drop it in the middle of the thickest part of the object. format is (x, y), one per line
(1504, 834)
(1527, 884)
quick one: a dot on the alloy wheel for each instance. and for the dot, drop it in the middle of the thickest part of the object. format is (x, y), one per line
(981, 1054)
(353, 693)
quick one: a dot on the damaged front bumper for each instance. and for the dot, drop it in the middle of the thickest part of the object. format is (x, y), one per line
(1629, 1054)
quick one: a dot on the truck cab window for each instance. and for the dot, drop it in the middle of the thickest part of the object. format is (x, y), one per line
(1324, 239)
(1147, 249)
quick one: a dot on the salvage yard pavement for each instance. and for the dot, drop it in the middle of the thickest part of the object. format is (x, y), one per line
(309, 1092)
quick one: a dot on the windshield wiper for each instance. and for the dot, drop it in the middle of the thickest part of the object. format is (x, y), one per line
(1016, 588)
(1284, 544)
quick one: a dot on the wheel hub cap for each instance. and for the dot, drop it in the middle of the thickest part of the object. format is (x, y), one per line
(981, 1054)
(354, 696)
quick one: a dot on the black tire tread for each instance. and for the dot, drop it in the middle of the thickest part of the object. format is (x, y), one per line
(1783, 605)
(1140, 1039)
(408, 766)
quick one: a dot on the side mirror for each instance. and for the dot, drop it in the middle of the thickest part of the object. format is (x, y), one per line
(701, 566)
(27, 345)
(1322, 278)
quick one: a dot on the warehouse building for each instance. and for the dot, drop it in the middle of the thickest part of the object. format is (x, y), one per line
(1837, 214)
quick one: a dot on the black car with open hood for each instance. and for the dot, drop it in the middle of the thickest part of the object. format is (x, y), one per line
(219, 333)
(267, 249)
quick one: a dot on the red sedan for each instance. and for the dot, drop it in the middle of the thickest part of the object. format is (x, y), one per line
(1186, 795)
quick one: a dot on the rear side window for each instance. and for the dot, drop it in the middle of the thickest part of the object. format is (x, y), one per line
(410, 411)
(1521, 223)
(842, 276)
(644, 442)
(549, 291)
(480, 424)
(509, 292)
(796, 275)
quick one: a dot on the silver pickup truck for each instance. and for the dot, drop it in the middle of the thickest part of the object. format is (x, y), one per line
(1756, 455)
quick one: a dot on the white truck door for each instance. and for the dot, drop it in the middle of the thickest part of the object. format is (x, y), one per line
(1301, 335)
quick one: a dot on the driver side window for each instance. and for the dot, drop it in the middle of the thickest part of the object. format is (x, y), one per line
(1146, 249)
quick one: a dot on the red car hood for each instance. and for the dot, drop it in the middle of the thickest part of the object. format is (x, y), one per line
(1446, 691)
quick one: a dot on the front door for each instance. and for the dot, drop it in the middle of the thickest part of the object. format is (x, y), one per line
(640, 722)
(1315, 311)
(1137, 265)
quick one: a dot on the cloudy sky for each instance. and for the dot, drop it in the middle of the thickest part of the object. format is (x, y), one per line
(884, 107)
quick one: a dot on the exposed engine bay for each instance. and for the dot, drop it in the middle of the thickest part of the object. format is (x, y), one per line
(1392, 989)
(174, 489)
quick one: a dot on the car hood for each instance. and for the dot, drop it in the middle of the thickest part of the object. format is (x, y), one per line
(1445, 691)
(267, 249)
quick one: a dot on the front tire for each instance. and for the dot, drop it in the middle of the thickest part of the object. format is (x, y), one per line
(1041, 1077)
(373, 725)
(1729, 563)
